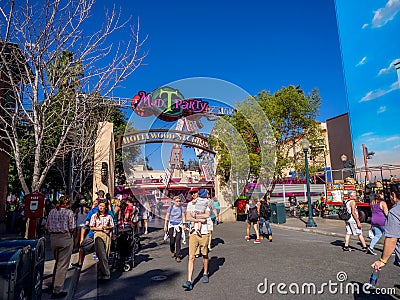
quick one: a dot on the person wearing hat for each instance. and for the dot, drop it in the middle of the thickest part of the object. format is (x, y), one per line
(100, 195)
(200, 207)
(198, 241)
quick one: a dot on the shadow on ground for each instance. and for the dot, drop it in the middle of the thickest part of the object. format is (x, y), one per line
(136, 285)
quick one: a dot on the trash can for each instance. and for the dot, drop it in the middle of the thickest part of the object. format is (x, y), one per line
(37, 258)
(15, 272)
(278, 213)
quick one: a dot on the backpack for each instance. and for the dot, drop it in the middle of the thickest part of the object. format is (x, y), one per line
(135, 216)
(252, 214)
(265, 210)
(343, 212)
(172, 206)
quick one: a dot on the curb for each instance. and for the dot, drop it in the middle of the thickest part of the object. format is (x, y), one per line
(315, 231)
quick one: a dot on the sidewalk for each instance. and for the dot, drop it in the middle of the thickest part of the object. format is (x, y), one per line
(330, 226)
(87, 276)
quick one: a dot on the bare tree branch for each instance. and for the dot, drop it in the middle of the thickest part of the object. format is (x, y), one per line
(45, 118)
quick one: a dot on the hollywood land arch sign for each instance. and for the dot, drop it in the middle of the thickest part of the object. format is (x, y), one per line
(164, 136)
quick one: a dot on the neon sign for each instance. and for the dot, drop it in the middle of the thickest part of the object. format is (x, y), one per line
(167, 104)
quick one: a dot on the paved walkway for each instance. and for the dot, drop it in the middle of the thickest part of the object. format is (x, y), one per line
(87, 277)
(327, 226)
(83, 284)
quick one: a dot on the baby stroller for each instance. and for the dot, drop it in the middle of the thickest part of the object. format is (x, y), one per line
(126, 246)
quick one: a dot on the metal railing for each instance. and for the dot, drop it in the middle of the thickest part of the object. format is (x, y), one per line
(282, 192)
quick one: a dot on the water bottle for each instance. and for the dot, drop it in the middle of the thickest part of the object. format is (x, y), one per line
(373, 280)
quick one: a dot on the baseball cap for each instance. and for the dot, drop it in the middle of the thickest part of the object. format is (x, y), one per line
(100, 193)
(203, 193)
(194, 190)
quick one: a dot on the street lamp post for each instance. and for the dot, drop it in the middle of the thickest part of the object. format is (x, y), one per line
(347, 164)
(306, 146)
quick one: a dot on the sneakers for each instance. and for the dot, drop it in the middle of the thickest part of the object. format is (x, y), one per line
(188, 285)
(178, 259)
(192, 231)
(364, 249)
(270, 238)
(247, 238)
(257, 241)
(198, 233)
(205, 278)
(146, 232)
(371, 251)
(261, 237)
(346, 248)
(172, 254)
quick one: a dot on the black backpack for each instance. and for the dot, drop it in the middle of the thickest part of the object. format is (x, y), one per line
(265, 210)
(252, 214)
(343, 213)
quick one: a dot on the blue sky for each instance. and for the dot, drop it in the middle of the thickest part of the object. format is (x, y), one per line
(262, 45)
(257, 45)
(370, 46)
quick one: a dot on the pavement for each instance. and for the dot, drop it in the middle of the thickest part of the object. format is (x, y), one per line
(331, 226)
(77, 282)
(82, 284)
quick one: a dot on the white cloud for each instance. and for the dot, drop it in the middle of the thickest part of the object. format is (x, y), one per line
(389, 68)
(367, 134)
(362, 61)
(364, 26)
(392, 138)
(386, 14)
(381, 109)
(371, 95)
(395, 85)
(396, 147)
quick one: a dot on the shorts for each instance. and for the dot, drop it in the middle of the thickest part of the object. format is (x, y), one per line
(351, 228)
(198, 243)
(251, 222)
(210, 225)
(87, 245)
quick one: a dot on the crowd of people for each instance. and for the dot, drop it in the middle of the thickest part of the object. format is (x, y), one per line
(90, 226)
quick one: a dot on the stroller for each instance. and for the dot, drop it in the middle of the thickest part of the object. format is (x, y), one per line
(125, 247)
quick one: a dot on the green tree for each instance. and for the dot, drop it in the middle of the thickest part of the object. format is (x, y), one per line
(292, 116)
(263, 135)
(244, 145)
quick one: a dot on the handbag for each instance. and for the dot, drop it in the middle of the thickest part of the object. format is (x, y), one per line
(371, 233)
